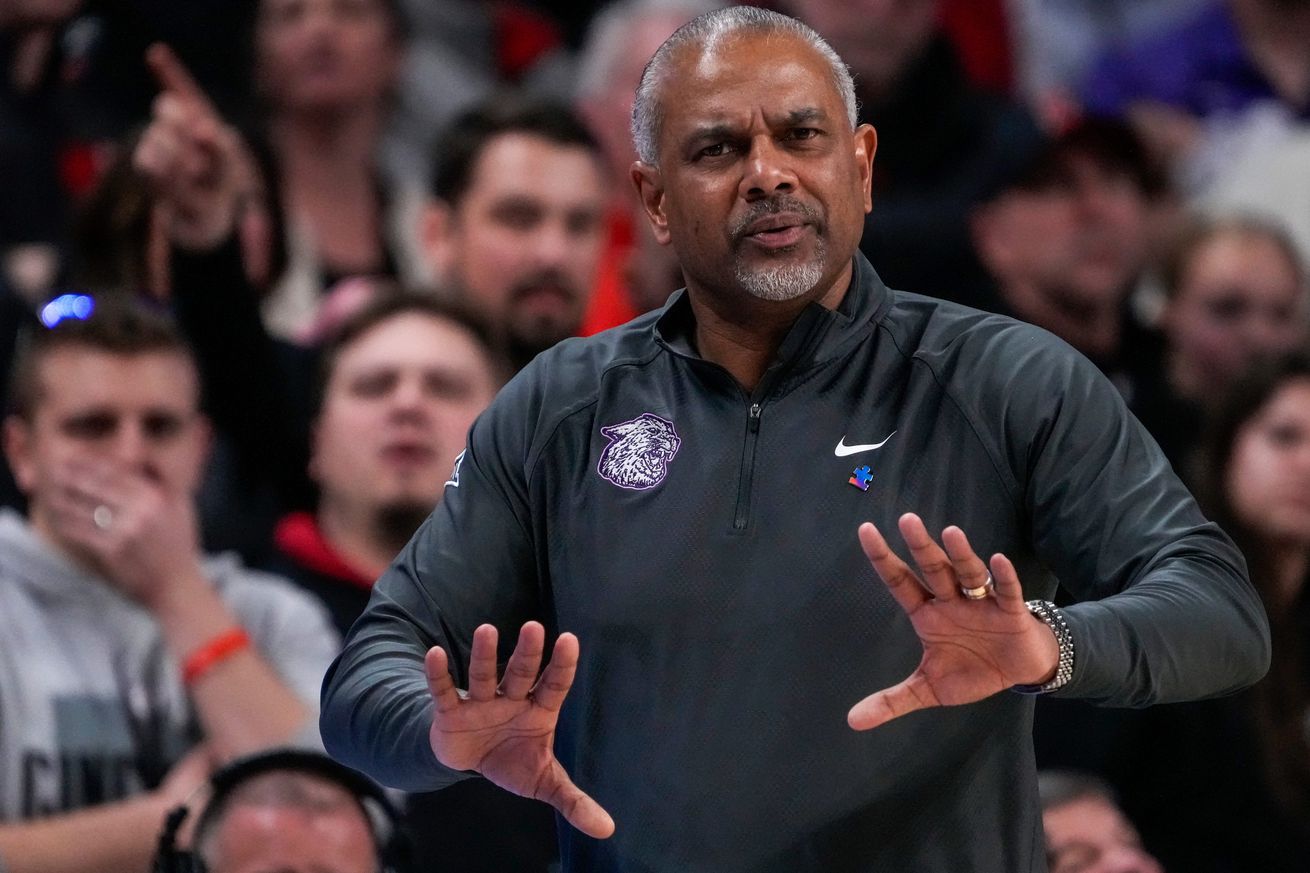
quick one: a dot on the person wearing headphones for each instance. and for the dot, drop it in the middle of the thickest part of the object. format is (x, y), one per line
(287, 811)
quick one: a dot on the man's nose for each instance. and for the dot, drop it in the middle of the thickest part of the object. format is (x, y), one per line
(408, 399)
(768, 170)
(131, 445)
(551, 245)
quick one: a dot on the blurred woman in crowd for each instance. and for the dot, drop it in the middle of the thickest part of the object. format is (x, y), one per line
(1224, 785)
(1235, 290)
(1257, 482)
(326, 70)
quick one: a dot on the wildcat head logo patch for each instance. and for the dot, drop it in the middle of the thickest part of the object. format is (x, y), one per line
(639, 452)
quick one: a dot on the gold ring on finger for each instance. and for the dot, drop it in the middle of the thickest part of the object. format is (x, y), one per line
(981, 591)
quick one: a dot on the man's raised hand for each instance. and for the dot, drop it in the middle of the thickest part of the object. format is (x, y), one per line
(199, 166)
(506, 730)
(972, 648)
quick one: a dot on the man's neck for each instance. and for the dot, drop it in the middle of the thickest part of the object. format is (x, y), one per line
(352, 534)
(1094, 330)
(743, 334)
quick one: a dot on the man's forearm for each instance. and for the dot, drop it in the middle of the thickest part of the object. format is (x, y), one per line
(242, 704)
(114, 838)
(377, 711)
(1193, 627)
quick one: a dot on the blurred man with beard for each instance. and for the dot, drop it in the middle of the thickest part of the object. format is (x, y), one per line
(515, 226)
(402, 381)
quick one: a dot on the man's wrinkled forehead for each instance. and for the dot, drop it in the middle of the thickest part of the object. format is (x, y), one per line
(704, 77)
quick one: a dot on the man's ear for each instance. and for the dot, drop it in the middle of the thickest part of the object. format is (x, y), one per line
(436, 224)
(866, 145)
(18, 450)
(650, 188)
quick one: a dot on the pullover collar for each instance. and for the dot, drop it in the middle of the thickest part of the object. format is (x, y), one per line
(818, 335)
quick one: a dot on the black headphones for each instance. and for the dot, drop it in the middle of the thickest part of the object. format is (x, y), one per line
(383, 818)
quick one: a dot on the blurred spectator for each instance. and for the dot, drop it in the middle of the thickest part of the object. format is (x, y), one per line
(292, 811)
(326, 71)
(621, 39)
(121, 645)
(1199, 91)
(515, 227)
(942, 142)
(1235, 291)
(72, 83)
(1223, 786)
(1067, 241)
(403, 380)
(1086, 832)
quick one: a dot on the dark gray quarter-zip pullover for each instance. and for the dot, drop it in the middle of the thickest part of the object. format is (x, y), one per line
(701, 544)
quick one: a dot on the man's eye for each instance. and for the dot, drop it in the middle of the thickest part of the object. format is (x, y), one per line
(518, 217)
(163, 426)
(804, 132)
(375, 385)
(90, 426)
(718, 150)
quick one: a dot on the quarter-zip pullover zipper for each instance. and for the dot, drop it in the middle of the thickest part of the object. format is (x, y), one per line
(741, 517)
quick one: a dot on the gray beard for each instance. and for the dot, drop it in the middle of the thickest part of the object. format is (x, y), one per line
(784, 282)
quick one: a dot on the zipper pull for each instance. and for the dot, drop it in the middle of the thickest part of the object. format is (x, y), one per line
(755, 418)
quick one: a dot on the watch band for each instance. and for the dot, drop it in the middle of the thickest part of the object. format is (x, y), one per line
(1049, 614)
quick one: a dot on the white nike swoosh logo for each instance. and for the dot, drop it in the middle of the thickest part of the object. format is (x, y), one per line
(843, 450)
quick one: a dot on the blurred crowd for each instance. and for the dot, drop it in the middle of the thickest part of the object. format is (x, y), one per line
(263, 262)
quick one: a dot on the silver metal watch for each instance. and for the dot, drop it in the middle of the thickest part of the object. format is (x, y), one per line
(1049, 614)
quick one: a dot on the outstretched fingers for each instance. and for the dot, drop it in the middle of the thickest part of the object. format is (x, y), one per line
(440, 683)
(970, 571)
(1009, 590)
(881, 707)
(935, 565)
(577, 807)
(895, 573)
(521, 671)
(483, 675)
(557, 678)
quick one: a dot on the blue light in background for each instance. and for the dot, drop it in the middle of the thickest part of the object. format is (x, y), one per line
(78, 306)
